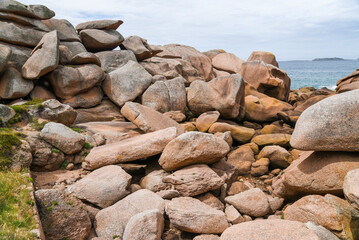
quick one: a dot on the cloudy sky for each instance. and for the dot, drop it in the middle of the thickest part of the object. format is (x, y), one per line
(291, 29)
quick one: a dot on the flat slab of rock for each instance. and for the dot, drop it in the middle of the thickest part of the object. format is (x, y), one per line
(66, 214)
(328, 126)
(131, 149)
(111, 60)
(23, 36)
(33, 11)
(272, 139)
(224, 94)
(351, 188)
(106, 111)
(145, 225)
(100, 40)
(270, 229)
(191, 215)
(85, 58)
(148, 119)
(126, 83)
(99, 24)
(253, 202)
(329, 211)
(112, 221)
(227, 62)
(192, 148)
(194, 180)
(102, 187)
(316, 173)
(13, 85)
(62, 137)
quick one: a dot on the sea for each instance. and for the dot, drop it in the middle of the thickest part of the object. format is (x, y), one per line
(317, 74)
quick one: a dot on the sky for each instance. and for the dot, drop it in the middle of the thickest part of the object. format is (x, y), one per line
(291, 29)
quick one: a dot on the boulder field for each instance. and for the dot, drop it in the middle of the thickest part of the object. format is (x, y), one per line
(133, 141)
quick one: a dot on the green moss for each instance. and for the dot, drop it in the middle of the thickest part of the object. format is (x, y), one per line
(64, 165)
(55, 150)
(8, 139)
(85, 154)
(16, 213)
(88, 146)
(282, 216)
(79, 130)
(36, 125)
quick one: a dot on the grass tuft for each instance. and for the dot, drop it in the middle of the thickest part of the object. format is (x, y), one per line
(8, 140)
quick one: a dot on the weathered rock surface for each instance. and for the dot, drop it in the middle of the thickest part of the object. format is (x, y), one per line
(316, 173)
(351, 188)
(23, 36)
(64, 29)
(242, 158)
(33, 11)
(12, 85)
(126, 83)
(318, 127)
(100, 40)
(209, 199)
(224, 94)
(131, 149)
(153, 181)
(267, 79)
(88, 99)
(279, 157)
(112, 221)
(85, 58)
(68, 81)
(348, 83)
(147, 119)
(106, 111)
(329, 211)
(54, 111)
(266, 57)
(192, 148)
(99, 24)
(62, 137)
(194, 180)
(6, 113)
(138, 46)
(206, 120)
(166, 96)
(145, 225)
(270, 229)
(18, 56)
(252, 202)
(227, 62)
(191, 215)
(40, 92)
(5, 53)
(102, 187)
(272, 139)
(111, 60)
(238, 133)
(65, 214)
(74, 47)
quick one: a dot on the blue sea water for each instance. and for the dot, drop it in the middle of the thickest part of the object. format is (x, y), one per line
(317, 74)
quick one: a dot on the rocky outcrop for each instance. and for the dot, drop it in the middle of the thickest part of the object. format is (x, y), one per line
(227, 62)
(350, 187)
(13, 85)
(266, 57)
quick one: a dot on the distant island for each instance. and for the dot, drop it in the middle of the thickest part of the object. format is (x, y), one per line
(329, 59)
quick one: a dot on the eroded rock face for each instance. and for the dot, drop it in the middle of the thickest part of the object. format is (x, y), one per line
(111, 60)
(206, 120)
(85, 58)
(147, 119)
(12, 85)
(271, 229)
(55, 111)
(40, 92)
(153, 181)
(100, 40)
(99, 24)
(329, 211)
(194, 180)
(227, 62)
(131, 149)
(165, 96)
(145, 225)
(238, 133)
(224, 94)
(126, 83)
(316, 173)
(317, 128)
(64, 212)
(33, 11)
(23, 36)
(5, 53)
(191, 215)
(138, 46)
(279, 157)
(266, 57)
(351, 188)
(349, 82)
(112, 221)
(88, 99)
(102, 187)
(6, 113)
(267, 79)
(192, 148)
(62, 137)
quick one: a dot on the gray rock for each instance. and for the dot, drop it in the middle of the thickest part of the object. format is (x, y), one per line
(23, 36)
(5, 53)
(99, 24)
(18, 56)
(100, 40)
(12, 85)
(26, 21)
(55, 111)
(64, 29)
(321, 232)
(111, 60)
(6, 113)
(62, 137)
(351, 188)
(33, 11)
(126, 83)
(74, 47)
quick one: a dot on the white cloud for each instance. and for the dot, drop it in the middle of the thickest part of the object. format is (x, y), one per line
(286, 27)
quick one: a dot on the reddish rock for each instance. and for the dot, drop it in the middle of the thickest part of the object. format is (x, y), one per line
(42, 93)
(205, 120)
(85, 58)
(266, 57)
(99, 24)
(238, 133)
(111, 60)
(100, 40)
(64, 28)
(88, 99)
(227, 62)
(139, 47)
(13, 86)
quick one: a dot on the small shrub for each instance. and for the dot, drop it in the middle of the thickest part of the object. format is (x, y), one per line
(88, 146)
(79, 130)
(55, 150)
(64, 165)
(8, 140)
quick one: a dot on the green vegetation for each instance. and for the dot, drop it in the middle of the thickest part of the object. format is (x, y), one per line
(88, 146)
(64, 165)
(55, 150)
(8, 139)
(79, 130)
(36, 125)
(16, 213)
(85, 154)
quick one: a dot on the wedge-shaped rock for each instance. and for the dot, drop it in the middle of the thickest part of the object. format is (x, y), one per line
(138, 46)
(99, 24)
(131, 149)
(40, 92)
(147, 119)
(191, 215)
(351, 187)
(102, 187)
(224, 94)
(62, 137)
(23, 36)
(44, 58)
(145, 225)
(193, 148)
(87, 99)
(194, 180)
(70, 81)
(85, 58)
(100, 40)
(74, 47)
(12, 85)
(328, 125)
(64, 29)
(111, 221)
(165, 96)
(126, 83)
(26, 21)
(253, 202)
(270, 229)
(331, 212)
(316, 173)
(227, 62)
(111, 60)
(33, 11)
